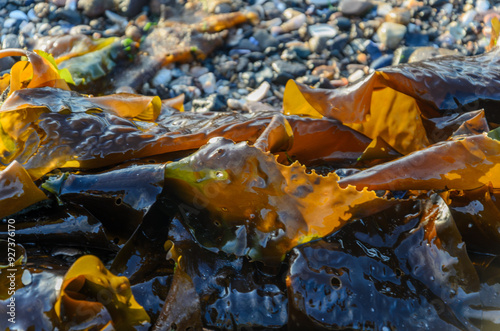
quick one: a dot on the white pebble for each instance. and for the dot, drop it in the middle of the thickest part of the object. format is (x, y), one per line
(259, 93)
(9, 22)
(482, 6)
(32, 16)
(357, 75)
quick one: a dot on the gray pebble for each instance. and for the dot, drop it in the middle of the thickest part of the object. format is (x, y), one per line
(10, 41)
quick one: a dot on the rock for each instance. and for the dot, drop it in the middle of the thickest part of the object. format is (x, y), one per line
(399, 15)
(343, 23)
(424, 53)
(197, 71)
(133, 32)
(71, 16)
(19, 15)
(294, 69)
(28, 30)
(321, 3)
(117, 19)
(259, 93)
(43, 29)
(214, 102)
(339, 42)
(468, 17)
(129, 8)
(10, 41)
(58, 3)
(223, 8)
(208, 82)
(355, 76)
(318, 44)
(81, 29)
(265, 39)
(457, 31)
(32, 16)
(383, 9)
(291, 25)
(58, 30)
(164, 76)
(6, 63)
(355, 7)
(249, 45)
(265, 74)
(391, 34)
(94, 8)
(482, 6)
(383, 61)
(322, 30)
(325, 71)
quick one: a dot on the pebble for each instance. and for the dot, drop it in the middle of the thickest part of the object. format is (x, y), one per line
(259, 93)
(163, 77)
(399, 15)
(383, 61)
(214, 102)
(81, 29)
(391, 34)
(290, 25)
(294, 69)
(133, 32)
(10, 41)
(208, 82)
(355, 7)
(322, 30)
(424, 53)
(18, 15)
(9, 23)
(357, 75)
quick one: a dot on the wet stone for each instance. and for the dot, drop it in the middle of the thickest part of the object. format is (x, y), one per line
(214, 102)
(11, 41)
(343, 23)
(391, 34)
(399, 15)
(355, 7)
(294, 69)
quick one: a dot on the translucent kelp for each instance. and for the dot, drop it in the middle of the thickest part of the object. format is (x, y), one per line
(367, 207)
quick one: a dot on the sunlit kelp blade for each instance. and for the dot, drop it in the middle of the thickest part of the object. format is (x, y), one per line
(464, 163)
(393, 101)
(38, 71)
(277, 207)
(83, 288)
(93, 134)
(17, 190)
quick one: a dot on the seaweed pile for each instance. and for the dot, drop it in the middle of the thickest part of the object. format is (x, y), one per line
(373, 206)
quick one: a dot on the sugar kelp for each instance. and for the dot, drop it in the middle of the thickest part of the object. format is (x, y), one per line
(233, 202)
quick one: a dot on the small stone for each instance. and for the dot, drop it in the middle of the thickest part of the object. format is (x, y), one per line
(321, 3)
(265, 39)
(468, 17)
(197, 71)
(117, 19)
(28, 30)
(164, 76)
(43, 29)
(214, 102)
(41, 9)
(355, 7)
(317, 44)
(18, 15)
(482, 6)
(208, 82)
(402, 55)
(343, 23)
(235, 104)
(129, 8)
(259, 93)
(10, 41)
(95, 8)
(265, 74)
(383, 9)
(32, 16)
(80, 29)
(391, 34)
(357, 75)
(223, 8)
(325, 71)
(9, 23)
(294, 69)
(58, 31)
(424, 53)
(70, 16)
(322, 30)
(399, 15)
(58, 3)
(339, 42)
(383, 61)
(456, 31)
(133, 32)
